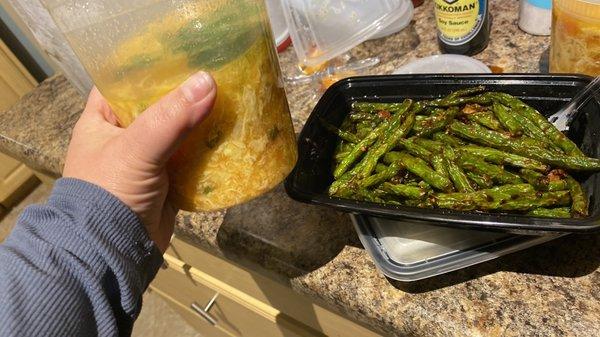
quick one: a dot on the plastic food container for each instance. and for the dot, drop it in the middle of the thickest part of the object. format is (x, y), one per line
(322, 30)
(310, 179)
(278, 25)
(138, 50)
(407, 10)
(444, 64)
(575, 46)
(408, 251)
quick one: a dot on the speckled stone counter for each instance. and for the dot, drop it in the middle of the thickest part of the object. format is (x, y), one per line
(549, 290)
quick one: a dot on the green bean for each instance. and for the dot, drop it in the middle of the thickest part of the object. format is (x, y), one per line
(507, 119)
(540, 181)
(431, 145)
(380, 168)
(363, 129)
(439, 165)
(497, 173)
(579, 208)
(364, 116)
(465, 92)
(393, 134)
(483, 181)
(547, 199)
(487, 199)
(551, 132)
(442, 102)
(561, 212)
(500, 157)
(374, 107)
(406, 191)
(358, 149)
(495, 139)
(345, 135)
(420, 168)
(435, 123)
(448, 139)
(382, 176)
(458, 177)
(487, 119)
(415, 149)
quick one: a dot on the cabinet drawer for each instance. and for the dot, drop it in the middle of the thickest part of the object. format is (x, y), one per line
(237, 314)
(265, 289)
(200, 325)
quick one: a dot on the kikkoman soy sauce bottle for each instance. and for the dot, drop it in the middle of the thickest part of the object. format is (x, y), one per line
(463, 25)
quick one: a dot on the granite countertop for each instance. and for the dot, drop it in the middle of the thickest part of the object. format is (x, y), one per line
(549, 290)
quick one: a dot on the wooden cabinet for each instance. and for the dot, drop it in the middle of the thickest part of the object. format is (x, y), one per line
(232, 312)
(196, 275)
(15, 81)
(15, 180)
(202, 326)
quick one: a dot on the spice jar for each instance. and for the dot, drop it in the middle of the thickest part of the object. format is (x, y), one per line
(535, 16)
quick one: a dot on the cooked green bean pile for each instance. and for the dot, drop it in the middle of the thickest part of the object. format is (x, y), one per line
(471, 150)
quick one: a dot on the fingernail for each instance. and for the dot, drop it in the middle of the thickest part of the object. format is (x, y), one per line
(197, 86)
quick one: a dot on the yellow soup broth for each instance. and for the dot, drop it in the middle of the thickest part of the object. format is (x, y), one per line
(247, 144)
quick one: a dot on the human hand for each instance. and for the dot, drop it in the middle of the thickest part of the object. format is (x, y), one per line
(130, 162)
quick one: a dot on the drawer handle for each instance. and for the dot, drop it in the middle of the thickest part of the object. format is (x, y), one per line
(203, 312)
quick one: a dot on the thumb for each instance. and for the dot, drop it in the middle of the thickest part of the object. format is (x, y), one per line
(156, 133)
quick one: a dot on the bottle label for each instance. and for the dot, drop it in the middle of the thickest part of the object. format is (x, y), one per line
(458, 21)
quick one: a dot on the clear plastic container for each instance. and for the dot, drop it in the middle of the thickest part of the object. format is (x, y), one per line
(407, 9)
(575, 46)
(138, 50)
(409, 251)
(322, 30)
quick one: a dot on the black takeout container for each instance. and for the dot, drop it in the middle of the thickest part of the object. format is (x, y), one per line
(312, 174)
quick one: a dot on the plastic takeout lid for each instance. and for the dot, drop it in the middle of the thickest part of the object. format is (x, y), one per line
(407, 8)
(408, 251)
(281, 33)
(444, 64)
(323, 30)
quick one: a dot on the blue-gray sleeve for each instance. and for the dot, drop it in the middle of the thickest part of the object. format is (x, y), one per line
(76, 266)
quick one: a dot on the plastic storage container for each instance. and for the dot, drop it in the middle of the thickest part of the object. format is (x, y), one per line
(312, 175)
(575, 46)
(409, 251)
(322, 30)
(407, 10)
(278, 25)
(138, 50)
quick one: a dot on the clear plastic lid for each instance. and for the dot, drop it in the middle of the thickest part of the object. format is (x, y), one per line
(322, 30)
(409, 251)
(407, 9)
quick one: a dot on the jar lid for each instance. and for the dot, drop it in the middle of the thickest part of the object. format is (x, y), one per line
(585, 8)
(444, 64)
(545, 4)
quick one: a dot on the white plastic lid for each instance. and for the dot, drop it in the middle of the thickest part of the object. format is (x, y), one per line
(444, 64)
